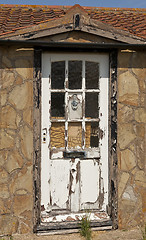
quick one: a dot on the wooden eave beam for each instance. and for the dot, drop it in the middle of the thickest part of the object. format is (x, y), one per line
(66, 45)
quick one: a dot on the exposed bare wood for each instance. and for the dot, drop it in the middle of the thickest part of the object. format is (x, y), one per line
(36, 136)
(113, 204)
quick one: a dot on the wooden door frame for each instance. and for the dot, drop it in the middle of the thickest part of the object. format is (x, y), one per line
(113, 202)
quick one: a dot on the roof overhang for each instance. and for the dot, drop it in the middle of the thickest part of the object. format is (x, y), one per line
(69, 45)
(76, 19)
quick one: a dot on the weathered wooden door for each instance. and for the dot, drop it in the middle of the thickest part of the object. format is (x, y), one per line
(74, 150)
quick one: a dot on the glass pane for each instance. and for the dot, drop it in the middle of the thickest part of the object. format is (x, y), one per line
(57, 105)
(91, 134)
(75, 74)
(92, 75)
(57, 135)
(74, 135)
(57, 75)
(91, 105)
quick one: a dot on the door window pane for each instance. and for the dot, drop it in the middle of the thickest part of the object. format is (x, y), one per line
(74, 135)
(57, 75)
(92, 134)
(92, 75)
(57, 135)
(57, 105)
(91, 105)
(75, 74)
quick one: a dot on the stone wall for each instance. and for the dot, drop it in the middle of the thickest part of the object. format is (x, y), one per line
(131, 138)
(16, 162)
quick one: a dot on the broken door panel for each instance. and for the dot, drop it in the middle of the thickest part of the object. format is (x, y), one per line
(89, 180)
(75, 185)
(59, 185)
(74, 135)
(92, 134)
(57, 136)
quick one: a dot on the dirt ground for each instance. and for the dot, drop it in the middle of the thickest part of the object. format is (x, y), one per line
(134, 234)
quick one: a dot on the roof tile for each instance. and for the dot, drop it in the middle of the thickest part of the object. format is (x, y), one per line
(19, 16)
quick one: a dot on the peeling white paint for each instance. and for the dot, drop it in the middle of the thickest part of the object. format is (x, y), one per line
(56, 155)
(89, 184)
(74, 184)
(92, 153)
(59, 180)
(96, 216)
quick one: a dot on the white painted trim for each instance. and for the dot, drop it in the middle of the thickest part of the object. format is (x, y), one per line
(45, 163)
(103, 123)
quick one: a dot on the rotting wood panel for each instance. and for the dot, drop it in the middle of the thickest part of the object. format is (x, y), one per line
(36, 136)
(113, 203)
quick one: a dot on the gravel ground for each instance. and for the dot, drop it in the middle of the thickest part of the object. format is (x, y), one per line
(134, 234)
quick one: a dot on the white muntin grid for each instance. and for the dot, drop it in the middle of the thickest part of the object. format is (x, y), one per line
(68, 92)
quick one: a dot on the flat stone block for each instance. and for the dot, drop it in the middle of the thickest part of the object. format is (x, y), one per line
(24, 68)
(129, 194)
(125, 114)
(140, 178)
(8, 117)
(140, 115)
(122, 183)
(125, 135)
(7, 141)
(128, 89)
(26, 142)
(9, 225)
(22, 203)
(4, 176)
(14, 161)
(3, 97)
(22, 96)
(27, 116)
(22, 180)
(8, 78)
(128, 160)
(4, 191)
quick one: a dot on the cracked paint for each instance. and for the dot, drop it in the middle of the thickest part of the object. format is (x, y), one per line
(76, 174)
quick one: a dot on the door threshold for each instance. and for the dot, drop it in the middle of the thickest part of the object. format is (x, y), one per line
(72, 227)
(70, 231)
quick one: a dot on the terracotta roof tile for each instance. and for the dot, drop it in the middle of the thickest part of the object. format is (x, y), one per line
(19, 16)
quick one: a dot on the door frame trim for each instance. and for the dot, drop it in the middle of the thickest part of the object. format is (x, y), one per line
(113, 169)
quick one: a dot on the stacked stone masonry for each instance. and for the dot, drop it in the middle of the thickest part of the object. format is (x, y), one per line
(131, 138)
(16, 149)
(16, 163)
